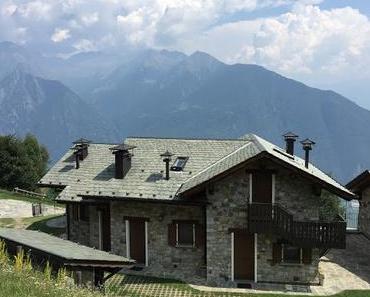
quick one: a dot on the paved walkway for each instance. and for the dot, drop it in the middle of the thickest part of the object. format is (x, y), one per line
(22, 209)
(347, 269)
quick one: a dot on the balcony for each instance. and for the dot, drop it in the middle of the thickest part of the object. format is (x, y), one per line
(274, 219)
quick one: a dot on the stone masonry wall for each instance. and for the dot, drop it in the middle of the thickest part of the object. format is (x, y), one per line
(164, 260)
(228, 206)
(284, 272)
(93, 227)
(78, 230)
(85, 232)
(364, 213)
(296, 194)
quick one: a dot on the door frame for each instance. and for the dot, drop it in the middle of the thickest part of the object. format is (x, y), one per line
(128, 241)
(273, 184)
(273, 177)
(104, 227)
(255, 238)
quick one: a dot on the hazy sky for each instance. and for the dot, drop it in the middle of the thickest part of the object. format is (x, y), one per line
(323, 43)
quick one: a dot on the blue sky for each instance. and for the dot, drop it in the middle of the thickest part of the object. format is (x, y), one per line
(324, 43)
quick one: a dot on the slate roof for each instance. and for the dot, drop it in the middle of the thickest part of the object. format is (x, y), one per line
(61, 248)
(145, 179)
(253, 146)
(95, 177)
(360, 182)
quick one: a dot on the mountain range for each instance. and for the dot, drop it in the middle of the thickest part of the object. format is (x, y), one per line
(106, 97)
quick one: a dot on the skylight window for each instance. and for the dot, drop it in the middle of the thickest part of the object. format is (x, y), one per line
(179, 164)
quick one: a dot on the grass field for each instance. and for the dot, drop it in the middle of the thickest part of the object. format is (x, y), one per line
(4, 194)
(31, 223)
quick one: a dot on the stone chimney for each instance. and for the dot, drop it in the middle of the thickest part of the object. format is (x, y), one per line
(122, 162)
(290, 138)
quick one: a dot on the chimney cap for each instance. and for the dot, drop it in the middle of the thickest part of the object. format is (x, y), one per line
(307, 143)
(122, 147)
(290, 135)
(81, 141)
(167, 155)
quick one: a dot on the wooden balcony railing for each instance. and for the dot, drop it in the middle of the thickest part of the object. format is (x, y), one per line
(273, 218)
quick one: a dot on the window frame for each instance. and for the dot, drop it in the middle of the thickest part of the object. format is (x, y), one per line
(76, 212)
(193, 224)
(178, 168)
(284, 261)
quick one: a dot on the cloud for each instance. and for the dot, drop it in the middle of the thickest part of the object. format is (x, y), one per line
(90, 19)
(306, 43)
(60, 35)
(8, 9)
(303, 42)
(84, 45)
(309, 40)
(36, 10)
(145, 23)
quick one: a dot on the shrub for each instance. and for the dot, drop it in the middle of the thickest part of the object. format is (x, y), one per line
(18, 261)
(4, 258)
(47, 271)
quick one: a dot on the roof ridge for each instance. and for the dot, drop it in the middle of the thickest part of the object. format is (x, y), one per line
(296, 159)
(185, 138)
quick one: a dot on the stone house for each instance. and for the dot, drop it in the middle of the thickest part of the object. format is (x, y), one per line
(360, 185)
(217, 212)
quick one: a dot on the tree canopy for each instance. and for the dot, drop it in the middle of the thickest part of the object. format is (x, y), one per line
(22, 161)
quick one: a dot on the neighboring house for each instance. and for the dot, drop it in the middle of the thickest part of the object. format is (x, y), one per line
(361, 186)
(220, 212)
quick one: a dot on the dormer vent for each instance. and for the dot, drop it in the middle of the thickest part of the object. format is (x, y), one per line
(307, 147)
(81, 150)
(167, 159)
(122, 160)
(290, 138)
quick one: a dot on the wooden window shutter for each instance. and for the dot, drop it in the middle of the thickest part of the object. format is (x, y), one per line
(199, 235)
(306, 255)
(172, 234)
(276, 253)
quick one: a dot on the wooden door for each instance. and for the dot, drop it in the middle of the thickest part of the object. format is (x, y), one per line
(243, 256)
(262, 187)
(137, 241)
(104, 227)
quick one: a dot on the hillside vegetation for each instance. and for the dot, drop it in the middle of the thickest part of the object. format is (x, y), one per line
(20, 279)
(22, 162)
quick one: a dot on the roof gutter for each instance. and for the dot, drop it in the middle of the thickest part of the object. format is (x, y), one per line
(99, 199)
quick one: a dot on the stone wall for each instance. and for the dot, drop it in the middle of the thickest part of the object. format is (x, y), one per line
(79, 231)
(364, 213)
(227, 209)
(284, 272)
(93, 227)
(228, 206)
(85, 232)
(164, 260)
(228, 202)
(297, 195)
